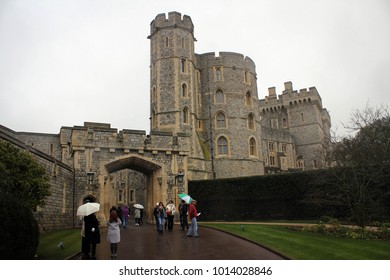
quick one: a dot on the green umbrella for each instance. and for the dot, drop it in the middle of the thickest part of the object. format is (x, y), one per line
(185, 197)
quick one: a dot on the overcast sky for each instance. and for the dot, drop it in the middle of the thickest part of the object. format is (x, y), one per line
(64, 62)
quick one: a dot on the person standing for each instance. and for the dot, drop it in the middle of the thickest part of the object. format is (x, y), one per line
(170, 211)
(183, 211)
(193, 214)
(113, 233)
(125, 216)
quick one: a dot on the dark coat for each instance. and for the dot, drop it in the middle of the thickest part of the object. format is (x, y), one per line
(91, 222)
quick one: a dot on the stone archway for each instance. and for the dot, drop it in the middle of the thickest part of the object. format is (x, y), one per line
(153, 184)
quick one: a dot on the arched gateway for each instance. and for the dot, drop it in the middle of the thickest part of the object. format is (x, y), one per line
(140, 181)
(126, 167)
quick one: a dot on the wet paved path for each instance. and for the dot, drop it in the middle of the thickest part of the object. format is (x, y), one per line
(144, 243)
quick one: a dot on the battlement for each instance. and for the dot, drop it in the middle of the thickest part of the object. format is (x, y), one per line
(290, 96)
(228, 59)
(174, 20)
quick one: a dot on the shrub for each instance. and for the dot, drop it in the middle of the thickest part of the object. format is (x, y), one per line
(19, 233)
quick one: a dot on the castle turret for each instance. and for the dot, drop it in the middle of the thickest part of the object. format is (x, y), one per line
(172, 73)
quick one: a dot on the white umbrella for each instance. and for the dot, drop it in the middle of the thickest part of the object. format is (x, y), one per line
(139, 206)
(185, 197)
(88, 208)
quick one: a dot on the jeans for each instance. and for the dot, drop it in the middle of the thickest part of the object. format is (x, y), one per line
(193, 230)
(160, 224)
(125, 222)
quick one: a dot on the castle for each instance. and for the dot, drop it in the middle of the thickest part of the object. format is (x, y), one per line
(206, 122)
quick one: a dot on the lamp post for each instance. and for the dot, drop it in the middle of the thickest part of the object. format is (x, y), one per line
(180, 180)
(90, 176)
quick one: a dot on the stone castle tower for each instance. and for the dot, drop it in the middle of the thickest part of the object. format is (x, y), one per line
(214, 99)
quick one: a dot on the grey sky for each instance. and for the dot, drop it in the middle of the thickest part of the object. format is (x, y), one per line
(64, 62)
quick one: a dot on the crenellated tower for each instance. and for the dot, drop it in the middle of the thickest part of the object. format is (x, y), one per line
(172, 73)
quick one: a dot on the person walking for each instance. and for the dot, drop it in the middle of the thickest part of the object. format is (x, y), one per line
(170, 211)
(125, 215)
(160, 216)
(183, 211)
(92, 235)
(155, 208)
(119, 210)
(193, 214)
(113, 233)
(137, 216)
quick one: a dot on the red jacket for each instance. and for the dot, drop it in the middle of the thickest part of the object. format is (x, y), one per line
(192, 212)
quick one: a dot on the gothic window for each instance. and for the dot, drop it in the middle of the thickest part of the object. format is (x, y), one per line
(218, 73)
(248, 99)
(184, 92)
(221, 120)
(222, 146)
(219, 97)
(186, 118)
(252, 147)
(284, 148)
(251, 122)
(271, 146)
(166, 42)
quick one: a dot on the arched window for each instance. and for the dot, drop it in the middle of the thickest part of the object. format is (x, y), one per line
(284, 122)
(219, 97)
(248, 99)
(218, 73)
(184, 92)
(222, 146)
(251, 122)
(221, 120)
(252, 147)
(185, 116)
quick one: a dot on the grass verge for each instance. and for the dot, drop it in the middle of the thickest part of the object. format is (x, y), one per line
(48, 248)
(300, 245)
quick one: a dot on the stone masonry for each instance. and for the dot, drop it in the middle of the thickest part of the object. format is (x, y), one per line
(206, 122)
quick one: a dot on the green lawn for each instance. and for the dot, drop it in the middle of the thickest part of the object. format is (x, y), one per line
(301, 245)
(48, 249)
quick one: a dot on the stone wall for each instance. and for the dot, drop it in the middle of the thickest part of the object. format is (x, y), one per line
(59, 209)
